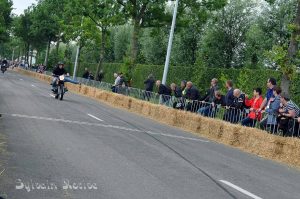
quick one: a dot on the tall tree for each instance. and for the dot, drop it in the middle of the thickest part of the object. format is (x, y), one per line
(5, 19)
(287, 60)
(142, 13)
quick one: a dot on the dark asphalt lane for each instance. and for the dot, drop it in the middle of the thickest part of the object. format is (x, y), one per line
(123, 155)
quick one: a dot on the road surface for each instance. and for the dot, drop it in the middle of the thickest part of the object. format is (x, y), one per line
(80, 148)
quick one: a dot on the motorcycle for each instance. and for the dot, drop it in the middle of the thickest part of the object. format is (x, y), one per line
(3, 68)
(59, 89)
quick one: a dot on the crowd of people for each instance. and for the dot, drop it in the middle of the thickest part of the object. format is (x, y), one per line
(275, 112)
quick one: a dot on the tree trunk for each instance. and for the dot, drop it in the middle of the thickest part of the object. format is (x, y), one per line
(134, 42)
(27, 53)
(102, 52)
(47, 53)
(292, 51)
(57, 51)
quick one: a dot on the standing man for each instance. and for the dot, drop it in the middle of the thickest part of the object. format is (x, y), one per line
(149, 84)
(229, 100)
(209, 98)
(86, 74)
(271, 83)
(164, 91)
(192, 96)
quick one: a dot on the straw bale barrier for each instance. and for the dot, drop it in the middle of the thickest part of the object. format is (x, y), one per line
(285, 150)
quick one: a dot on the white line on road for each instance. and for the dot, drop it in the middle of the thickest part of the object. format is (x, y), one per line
(2, 172)
(52, 95)
(240, 189)
(21, 79)
(105, 126)
(176, 136)
(33, 85)
(92, 116)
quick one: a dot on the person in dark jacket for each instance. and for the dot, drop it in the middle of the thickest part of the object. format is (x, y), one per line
(229, 100)
(238, 106)
(164, 92)
(229, 97)
(192, 96)
(86, 74)
(208, 98)
(219, 101)
(100, 76)
(149, 84)
(177, 94)
(176, 91)
(57, 71)
(270, 122)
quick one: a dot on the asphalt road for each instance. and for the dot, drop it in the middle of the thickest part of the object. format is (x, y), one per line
(79, 148)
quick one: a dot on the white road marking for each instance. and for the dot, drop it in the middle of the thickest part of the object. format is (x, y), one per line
(52, 95)
(240, 189)
(92, 116)
(21, 79)
(176, 136)
(2, 172)
(105, 126)
(33, 85)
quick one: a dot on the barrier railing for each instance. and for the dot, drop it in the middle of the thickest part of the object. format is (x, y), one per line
(271, 123)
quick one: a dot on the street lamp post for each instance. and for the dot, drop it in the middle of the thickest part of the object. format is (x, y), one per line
(167, 63)
(78, 52)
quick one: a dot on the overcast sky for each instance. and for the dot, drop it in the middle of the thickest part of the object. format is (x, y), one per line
(20, 5)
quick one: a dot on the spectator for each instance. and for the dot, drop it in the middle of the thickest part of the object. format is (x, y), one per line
(180, 101)
(183, 87)
(176, 91)
(122, 85)
(296, 128)
(237, 108)
(271, 83)
(164, 91)
(254, 104)
(229, 100)
(117, 82)
(219, 101)
(86, 74)
(100, 76)
(270, 123)
(209, 97)
(288, 112)
(91, 76)
(149, 84)
(192, 96)
(239, 99)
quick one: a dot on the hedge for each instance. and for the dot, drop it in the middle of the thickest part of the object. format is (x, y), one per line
(245, 79)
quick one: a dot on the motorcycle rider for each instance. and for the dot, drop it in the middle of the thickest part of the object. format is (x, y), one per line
(4, 65)
(58, 71)
(4, 62)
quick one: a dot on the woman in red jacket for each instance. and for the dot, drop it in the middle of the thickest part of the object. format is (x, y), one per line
(255, 103)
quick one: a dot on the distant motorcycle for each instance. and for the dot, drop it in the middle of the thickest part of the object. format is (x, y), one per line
(3, 68)
(59, 89)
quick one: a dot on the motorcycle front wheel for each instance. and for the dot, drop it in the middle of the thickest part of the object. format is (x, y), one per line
(61, 91)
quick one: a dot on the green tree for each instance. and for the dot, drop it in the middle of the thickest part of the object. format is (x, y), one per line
(142, 13)
(223, 44)
(5, 19)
